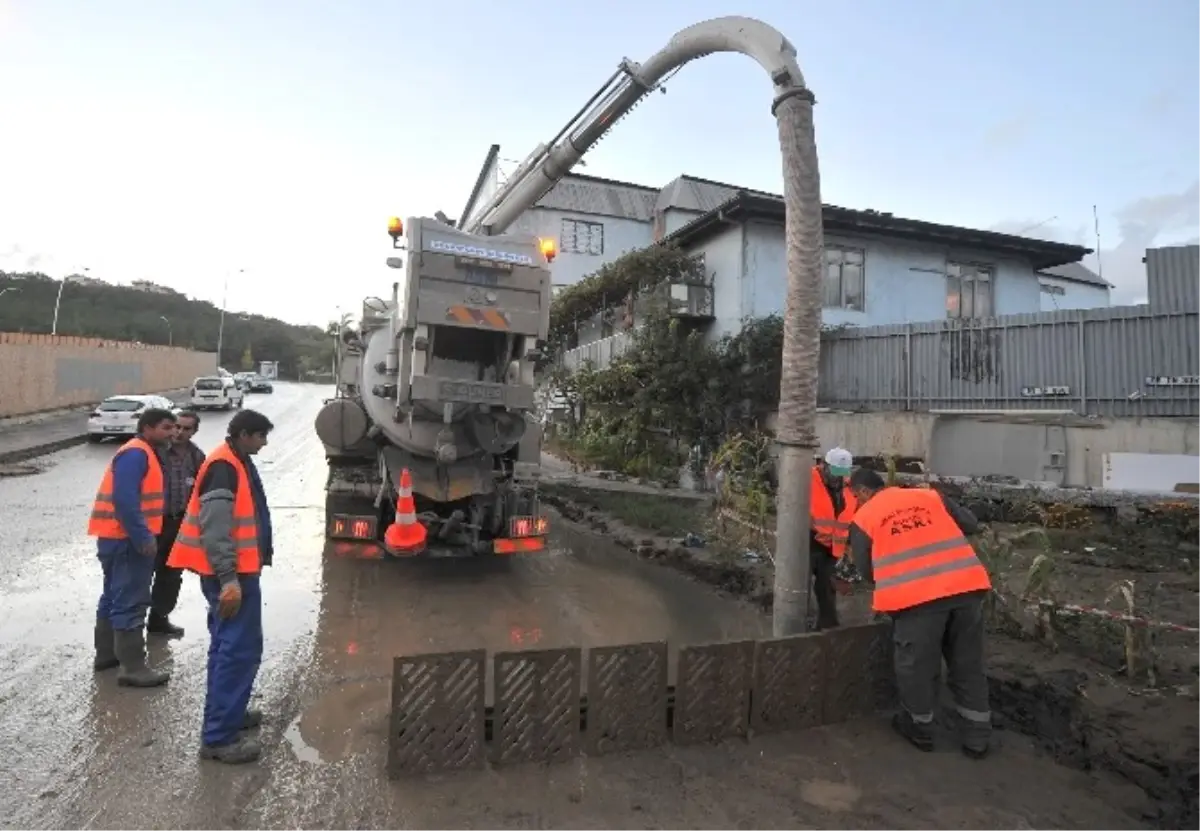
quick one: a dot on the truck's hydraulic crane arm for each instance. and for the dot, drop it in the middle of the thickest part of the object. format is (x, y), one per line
(622, 92)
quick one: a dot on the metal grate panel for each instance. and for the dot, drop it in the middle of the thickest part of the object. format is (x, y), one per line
(883, 667)
(627, 697)
(536, 716)
(712, 692)
(789, 679)
(437, 712)
(849, 679)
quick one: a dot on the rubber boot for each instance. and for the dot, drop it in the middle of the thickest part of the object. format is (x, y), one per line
(106, 656)
(131, 652)
(242, 750)
(161, 625)
(976, 738)
(920, 735)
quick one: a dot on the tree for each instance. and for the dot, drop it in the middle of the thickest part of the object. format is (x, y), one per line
(247, 360)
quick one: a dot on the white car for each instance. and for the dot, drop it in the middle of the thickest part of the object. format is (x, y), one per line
(118, 415)
(216, 392)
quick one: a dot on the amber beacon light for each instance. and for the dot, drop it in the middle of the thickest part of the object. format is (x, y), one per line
(395, 228)
(549, 249)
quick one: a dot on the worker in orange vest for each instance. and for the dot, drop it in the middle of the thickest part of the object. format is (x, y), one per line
(912, 544)
(226, 538)
(127, 515)
(831, 506)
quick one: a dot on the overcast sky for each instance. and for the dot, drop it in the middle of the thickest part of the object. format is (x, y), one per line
(174, 141)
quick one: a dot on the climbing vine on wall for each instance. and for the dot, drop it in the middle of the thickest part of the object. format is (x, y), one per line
(631, 273)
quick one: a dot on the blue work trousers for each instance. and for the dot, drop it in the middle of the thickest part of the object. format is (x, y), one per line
(234, 653)
(128, 573)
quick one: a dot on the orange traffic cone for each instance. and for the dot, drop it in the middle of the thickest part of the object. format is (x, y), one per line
(405, 536)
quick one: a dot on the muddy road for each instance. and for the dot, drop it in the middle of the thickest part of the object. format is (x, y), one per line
(81, 752)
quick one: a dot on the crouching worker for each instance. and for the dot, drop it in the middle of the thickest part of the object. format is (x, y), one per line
(225, 537)
(911, 543)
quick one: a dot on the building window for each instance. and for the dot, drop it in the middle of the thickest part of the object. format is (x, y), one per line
(843, 278)
(580, 237)
(968, 290)
(1050, 288)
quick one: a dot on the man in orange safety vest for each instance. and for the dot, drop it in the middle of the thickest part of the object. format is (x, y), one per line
(127, 515)
(831, 507)
(912, 544)
(226, 538)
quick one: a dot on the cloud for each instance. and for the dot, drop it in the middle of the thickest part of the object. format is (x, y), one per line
(1148, 222)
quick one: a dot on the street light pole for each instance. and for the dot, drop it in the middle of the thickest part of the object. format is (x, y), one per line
(221, 326)
(6, 290)
(170, 331)
(58, 300)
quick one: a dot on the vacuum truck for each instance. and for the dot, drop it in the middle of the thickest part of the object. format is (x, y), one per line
(435, 393)
(434, 398)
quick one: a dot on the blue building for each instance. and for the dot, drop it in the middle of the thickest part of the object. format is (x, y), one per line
(880, 269)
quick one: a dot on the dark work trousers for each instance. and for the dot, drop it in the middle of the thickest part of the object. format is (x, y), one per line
(234, 653)
(165, 594)
(126, 590)
(823, 564)
(952, 629)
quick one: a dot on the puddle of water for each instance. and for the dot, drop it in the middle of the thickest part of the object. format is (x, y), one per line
(304, 751)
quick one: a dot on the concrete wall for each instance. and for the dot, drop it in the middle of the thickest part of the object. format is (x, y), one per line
(44, 372)
(1086, 441)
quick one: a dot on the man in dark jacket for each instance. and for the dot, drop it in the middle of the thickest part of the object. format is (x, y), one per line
(181, 462)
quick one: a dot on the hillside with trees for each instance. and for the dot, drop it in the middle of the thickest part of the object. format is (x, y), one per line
(159, 315)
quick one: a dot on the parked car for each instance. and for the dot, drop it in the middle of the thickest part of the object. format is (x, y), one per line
(118, 415)
(215, 392)
(242, 379)
(260, 384)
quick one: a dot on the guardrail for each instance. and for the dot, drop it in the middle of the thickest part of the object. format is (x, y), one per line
(441, 720)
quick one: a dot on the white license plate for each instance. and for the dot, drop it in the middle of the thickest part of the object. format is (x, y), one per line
(114, 429)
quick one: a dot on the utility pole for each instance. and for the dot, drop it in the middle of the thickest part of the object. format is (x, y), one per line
(170, 330)
(796, 432)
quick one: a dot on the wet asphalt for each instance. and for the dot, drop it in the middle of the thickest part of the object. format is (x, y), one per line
(80, 752)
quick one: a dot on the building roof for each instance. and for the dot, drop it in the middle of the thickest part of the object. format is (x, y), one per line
(746, 205)
(691, 193)
(1076, 273)
(603, 197)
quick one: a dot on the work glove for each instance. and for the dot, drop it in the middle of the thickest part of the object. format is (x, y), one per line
(230, 600)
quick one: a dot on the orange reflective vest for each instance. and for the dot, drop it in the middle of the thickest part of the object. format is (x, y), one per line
(188, 550)
(103, 521)
(832, 530)
(918, 552)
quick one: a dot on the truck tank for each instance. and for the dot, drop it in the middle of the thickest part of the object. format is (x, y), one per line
(438, 380)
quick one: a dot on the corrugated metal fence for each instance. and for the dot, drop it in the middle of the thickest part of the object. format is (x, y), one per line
(1120, 361)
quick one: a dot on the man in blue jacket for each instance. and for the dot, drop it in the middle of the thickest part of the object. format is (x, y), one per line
(127, 515)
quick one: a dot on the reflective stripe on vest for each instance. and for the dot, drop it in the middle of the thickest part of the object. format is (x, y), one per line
(832, 531)
(188, 550)
(918, 552)
(103, 522)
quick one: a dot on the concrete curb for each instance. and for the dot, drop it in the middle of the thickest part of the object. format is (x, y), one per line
(46, 448)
